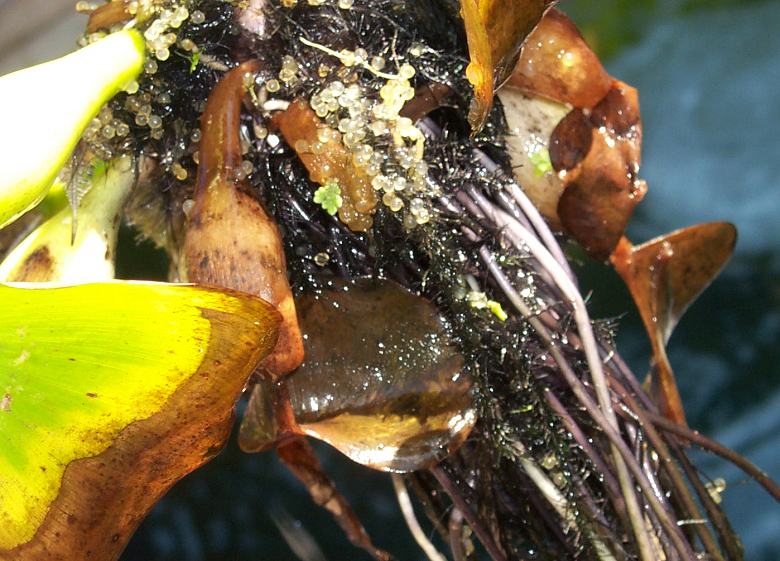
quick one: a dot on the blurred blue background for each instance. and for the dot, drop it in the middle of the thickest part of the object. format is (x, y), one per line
(708, 72)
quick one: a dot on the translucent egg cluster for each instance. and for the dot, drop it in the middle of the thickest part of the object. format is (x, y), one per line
(102, 130)
(149, 99)
(386, 147)
(158, 36)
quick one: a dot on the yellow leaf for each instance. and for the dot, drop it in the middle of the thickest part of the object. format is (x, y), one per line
(109, 393)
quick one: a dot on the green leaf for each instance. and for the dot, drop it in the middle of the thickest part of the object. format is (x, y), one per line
(540, 159)
(329, 197)
(45, 109)
(194, 60)
(109, 393)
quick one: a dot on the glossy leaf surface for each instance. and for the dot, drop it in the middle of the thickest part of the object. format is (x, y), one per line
(594, 148)
(109, 393)
(558, 64)
(600, 154)
(381, 381)
(495, 30)
(45, 109)
(665, 276)
(230, 239)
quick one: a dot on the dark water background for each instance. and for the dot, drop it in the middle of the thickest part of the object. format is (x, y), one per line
(709, 77)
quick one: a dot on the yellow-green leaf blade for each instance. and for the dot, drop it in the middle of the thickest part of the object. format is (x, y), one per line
(106, 371)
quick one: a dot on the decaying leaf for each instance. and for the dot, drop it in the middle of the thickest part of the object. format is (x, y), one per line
(381, 381)
(595, 152)
(495, 30)
(665, 275)
(230, 240)
(603, 187)
(595, 149)
(109, 14)
(300, 459)
(558, 64)
(109, 393)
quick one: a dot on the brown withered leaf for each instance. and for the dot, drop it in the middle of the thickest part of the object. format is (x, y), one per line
(665, 276)
(495, 31)
(299, 457)
(570, 141)
(153, 374)
(361, 389)
(230, 239)
(109, 14)
(595, 149)
(602, 188)
(557, 63)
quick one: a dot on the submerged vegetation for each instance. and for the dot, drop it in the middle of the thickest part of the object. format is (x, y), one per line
(395, 179)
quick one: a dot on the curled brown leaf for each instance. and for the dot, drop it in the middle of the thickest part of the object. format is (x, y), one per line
(594, 150)
(495, 31)
(230, 239)
(665, 276)
(106, 16)
(557, 63)
(601, 180)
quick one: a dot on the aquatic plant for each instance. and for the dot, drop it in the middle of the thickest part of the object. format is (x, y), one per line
(395, 178)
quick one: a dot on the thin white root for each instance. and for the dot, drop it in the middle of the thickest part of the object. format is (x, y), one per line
(411, 520)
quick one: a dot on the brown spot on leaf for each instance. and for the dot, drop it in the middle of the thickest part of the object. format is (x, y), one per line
(5, 403)
(37, 267)
(602, 190)
(570, 141)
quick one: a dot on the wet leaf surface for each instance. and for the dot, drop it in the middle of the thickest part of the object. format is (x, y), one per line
(496, 31)
(110, 394)
(602, 188)
(381, 381)
(665, 276)
(594, 149)
(557, 63)
(531, 121)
